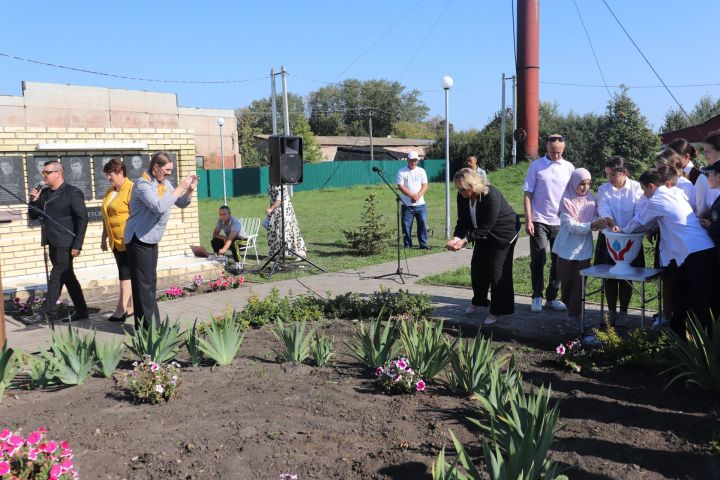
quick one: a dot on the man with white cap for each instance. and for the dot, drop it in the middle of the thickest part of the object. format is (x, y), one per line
(412, 182)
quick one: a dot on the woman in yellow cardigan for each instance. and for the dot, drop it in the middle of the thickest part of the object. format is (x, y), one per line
(115, 211)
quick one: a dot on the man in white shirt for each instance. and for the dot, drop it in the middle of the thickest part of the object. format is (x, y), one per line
(412, 182)
(544, 185)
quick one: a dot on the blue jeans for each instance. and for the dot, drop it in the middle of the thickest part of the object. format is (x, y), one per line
(410, 213)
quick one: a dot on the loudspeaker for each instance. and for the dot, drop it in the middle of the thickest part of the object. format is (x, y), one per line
(286, 160)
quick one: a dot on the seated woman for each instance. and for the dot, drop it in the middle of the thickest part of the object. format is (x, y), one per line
(486, 218)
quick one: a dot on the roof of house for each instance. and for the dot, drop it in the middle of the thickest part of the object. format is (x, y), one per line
(365, 141)
(693, 134)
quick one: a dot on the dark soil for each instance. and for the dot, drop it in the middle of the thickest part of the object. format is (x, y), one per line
(259, 418)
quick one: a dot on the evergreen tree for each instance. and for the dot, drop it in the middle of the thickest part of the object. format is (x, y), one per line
(372, 236)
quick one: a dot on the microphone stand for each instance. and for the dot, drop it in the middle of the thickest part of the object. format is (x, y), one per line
(43, 216)
(398, 200)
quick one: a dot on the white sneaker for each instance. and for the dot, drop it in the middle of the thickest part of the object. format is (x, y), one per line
(490, 319)
(556, 305)
(536, 305)
(471, 309)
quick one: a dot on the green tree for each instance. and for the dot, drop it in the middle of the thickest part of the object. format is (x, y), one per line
(705, 109)
(247, 146)
(624, 131)
(413, 130)
(345, 109)
(260, 112)
(311, 148)
(372, 236)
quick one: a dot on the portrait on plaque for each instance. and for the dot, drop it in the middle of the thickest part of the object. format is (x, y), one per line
(136, 165)
(11, 177)
(35, 166)
(100, 179)
(77, 173)
(174, 176)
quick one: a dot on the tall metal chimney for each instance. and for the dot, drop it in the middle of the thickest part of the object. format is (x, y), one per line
(528, 73)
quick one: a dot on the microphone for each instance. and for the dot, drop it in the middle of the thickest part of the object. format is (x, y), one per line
(377, 170)
(40, 186)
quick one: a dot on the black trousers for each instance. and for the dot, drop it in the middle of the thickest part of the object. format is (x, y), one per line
(540, 245)
(694, 289)
(491, 269)
(143, 274)
(62, 273)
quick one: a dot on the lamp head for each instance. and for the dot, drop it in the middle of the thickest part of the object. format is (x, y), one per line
(447, 82)
(220, 121)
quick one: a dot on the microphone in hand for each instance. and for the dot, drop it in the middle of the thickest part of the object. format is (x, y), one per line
(377, 170)
(40, 186)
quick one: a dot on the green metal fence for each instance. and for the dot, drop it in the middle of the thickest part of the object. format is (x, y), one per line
(316, 176)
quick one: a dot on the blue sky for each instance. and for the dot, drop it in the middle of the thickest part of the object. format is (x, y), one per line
(415, 42)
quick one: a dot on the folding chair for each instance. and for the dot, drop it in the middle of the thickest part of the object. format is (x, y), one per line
(252, 228)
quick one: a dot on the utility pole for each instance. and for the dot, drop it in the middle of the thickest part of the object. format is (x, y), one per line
(273, 94)
(514, 126)
(372, 153)
(503, 121)
(285, 101)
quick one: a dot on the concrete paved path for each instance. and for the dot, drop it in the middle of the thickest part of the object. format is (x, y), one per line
(450, 302)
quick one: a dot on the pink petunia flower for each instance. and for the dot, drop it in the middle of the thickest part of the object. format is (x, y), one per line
(16, 440)
(4, 467)
(55, 471)
(49, 447)
(401, 364)
(420, 386)
(34, 438)
(33, 453)
(560, 350)
(241, 280)
(154, 367)
(5, 434)
(379, 371)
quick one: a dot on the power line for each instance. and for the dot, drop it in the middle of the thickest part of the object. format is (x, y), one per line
(648, 62)
(566, 84)
(597, 62)
(427, 35)
(390, 29)
(126, 77)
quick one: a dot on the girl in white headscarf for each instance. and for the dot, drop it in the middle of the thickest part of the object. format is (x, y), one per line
(574, 243)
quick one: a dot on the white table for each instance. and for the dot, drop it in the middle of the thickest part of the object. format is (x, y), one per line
(640, 275)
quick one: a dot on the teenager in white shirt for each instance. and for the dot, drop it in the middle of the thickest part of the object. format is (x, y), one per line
(617, 200)
(688, 153)
(574, 243)
(711, 152)
(672, 159)
(545, 184)
(686, 249)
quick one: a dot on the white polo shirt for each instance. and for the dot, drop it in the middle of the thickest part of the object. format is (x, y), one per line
(546, 180)
(413, 180)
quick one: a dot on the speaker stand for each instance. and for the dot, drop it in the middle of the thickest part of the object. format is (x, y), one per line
(278, 258)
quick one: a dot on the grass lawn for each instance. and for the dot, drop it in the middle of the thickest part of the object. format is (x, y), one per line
(324, 214)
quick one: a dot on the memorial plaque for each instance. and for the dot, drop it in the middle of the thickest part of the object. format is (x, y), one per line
(174, 176)
(12, 178)
(100, 179)
(35, 166)
(136, 165)
(77, 173)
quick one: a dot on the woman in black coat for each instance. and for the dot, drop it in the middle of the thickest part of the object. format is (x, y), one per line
(485, 217)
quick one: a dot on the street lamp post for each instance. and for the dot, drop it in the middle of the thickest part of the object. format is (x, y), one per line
(447, 83)
(221, 122)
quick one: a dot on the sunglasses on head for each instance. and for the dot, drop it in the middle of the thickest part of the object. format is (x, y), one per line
(558, 138)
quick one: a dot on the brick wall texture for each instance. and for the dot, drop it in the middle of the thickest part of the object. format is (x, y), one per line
(20, 250)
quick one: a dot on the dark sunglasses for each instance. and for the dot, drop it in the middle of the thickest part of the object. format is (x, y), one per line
(556, 139)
